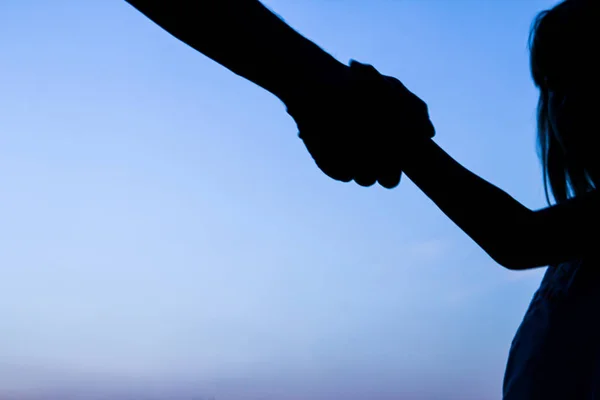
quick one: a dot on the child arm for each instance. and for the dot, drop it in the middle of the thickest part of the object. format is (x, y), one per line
(510, 233)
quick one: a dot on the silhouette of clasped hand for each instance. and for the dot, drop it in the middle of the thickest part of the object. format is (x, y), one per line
(359, 129)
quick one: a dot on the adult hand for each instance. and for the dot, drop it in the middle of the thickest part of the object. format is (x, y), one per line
(357, 127)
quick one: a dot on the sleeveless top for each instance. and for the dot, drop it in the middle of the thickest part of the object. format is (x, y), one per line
(555, 353)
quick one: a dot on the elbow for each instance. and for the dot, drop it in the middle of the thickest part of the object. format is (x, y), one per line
(513, 264)
(515, 256)
(507, 260)
(516, 245)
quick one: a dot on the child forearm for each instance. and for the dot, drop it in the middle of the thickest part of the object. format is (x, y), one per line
(492, 218)
(248, 39)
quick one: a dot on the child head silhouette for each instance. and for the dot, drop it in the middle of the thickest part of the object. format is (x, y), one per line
(563, 43)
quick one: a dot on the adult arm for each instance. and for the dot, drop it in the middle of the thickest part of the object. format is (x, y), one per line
(251, 41)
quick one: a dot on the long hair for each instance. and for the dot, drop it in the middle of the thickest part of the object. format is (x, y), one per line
(563, 67)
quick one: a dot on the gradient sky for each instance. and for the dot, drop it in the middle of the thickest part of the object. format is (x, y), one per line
(162, 226)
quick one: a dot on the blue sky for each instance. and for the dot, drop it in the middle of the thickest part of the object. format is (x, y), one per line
(161, 224)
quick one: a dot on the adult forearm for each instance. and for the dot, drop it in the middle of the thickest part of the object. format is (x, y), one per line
(248, 39)
(488, 215)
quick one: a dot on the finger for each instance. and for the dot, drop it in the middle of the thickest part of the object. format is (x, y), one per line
(332, 163)
(389, 172)
(366, 164)
(390, 181)
(365, 157)
(409, 102)
(365, 180)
